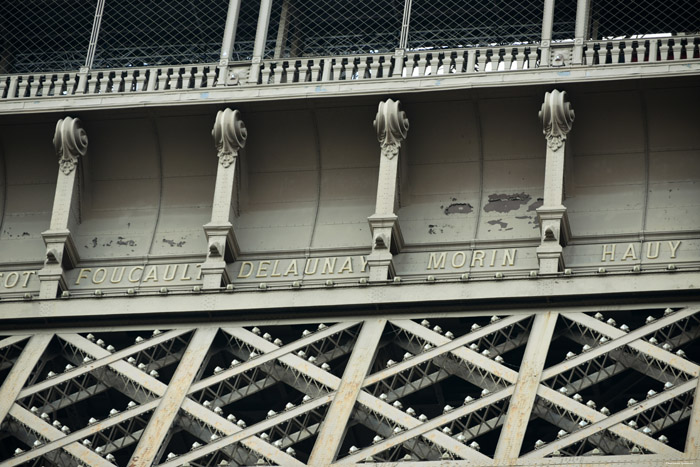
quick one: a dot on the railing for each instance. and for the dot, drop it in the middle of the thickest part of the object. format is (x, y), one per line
(477, 60)
(107, 81)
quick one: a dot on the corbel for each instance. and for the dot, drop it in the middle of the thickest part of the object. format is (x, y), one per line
(70, 142)
(557, 117)
(392, 128)
(229, 137)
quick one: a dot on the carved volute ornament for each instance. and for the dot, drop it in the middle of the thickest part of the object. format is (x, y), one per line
(556, 116)
(229, 135)
(392, 127)
(70, 141)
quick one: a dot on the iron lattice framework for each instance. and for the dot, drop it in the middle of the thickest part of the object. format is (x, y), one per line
(550, 384)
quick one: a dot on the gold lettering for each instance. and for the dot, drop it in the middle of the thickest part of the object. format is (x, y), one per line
(478, 255)
(152, 274)
(27, 275)
(656, 254)
(674, 248)
(329, 266)
(199, 272)
(437, 262)
(306, 268)
(509, 257)
(608, 252)
(15, 279)
(629, 253)
(102, 271)
(184, 276)
(292, 268)
(167, 276)
(262, 268)
(493, 258)
(131, 277)
(461, 262)
(347, 266)
(274, 272)
(114, 280)
(244, 264)
(364, 263)
(82, 275)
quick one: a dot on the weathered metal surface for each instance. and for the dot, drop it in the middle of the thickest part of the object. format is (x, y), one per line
(172, 399)
(523, 398)
(333, 428)
(21, 370)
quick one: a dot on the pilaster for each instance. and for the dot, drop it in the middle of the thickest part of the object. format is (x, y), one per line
(229, 137)
(557, 117)
(392, 128)
(70, 141)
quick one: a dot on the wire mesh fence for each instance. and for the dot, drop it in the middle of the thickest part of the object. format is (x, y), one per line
(245, 30)
(564, 24)
(44, 35)
(150, 32)
(455, 23)
(333, 27)
(614, 19)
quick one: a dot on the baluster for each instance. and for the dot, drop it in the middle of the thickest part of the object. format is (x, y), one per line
(653, 49)
(327, 68)
(663, 48)
(188, 81)
(152, 79)
(373, 67)
(70, 84)
(265, 71)
(50, 87)
(34, 85)
(626, 49)
(140, 80)
(90, 85)
(589, 54)
(459, 62)
(296, 77)
(12, 89)
(444, 62)
(315, 69)
(641, 51)
(337, 69)
(422, 62)
(3, 85)
(471, 61)
(199, 78)
(674, 49)
(163, 78)
(684, 53)
(361, 67)
(395, 64)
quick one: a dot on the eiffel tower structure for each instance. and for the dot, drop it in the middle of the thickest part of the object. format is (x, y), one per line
(379, 232)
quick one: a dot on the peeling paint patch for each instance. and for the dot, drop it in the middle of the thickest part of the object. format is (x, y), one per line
(94, 242)
(25, 234)
(125, 242)
(499, 223)
(535, 205)
(173, 243)
(458, 208)
(505, 203)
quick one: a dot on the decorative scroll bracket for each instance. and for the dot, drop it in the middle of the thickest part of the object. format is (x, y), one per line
(230, 135)
(70, 141)
(391, 125)
(557, 118)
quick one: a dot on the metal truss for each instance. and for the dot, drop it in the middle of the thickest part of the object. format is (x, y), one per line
(525, 387)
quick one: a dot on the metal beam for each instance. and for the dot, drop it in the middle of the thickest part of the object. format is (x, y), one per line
(419, 429)
(162, 419)
(523, 399)
(642, 346)
(612, 423)
(333, 428)
(21, 370)
(692, 442)
(47, 431)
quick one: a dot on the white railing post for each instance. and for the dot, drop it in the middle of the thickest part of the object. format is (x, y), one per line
(583, 15)
(234, 8)
(260, 38)
(547, 22)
